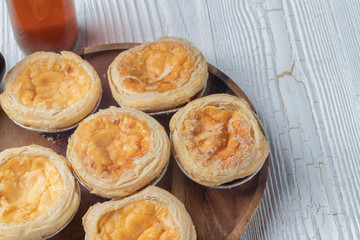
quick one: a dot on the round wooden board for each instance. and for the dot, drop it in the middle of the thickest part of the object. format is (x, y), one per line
(217, 214)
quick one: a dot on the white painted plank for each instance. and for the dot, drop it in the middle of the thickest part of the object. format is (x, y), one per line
(243, 37)
(8, 47)
(122, 21)
(325, 71)
(190, 20)
(301, 200)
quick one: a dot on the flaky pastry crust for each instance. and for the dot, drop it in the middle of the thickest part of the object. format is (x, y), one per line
(37, 116)
(156, 195)
(122, 179)
(212, 160)
(154, 100)
(59, 213)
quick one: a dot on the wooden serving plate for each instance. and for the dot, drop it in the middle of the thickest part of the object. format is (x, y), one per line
(217, 213)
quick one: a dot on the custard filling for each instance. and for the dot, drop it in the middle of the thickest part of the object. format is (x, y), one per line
(29, 185)
(221, 135)
(157, 67)
(138, 221)
(108, 145)
(51, 84)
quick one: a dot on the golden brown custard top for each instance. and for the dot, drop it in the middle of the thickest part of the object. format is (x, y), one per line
(221, 135)
(157, 67)
(142, 220)
(51, 84)
(109, 144)
(29, 185)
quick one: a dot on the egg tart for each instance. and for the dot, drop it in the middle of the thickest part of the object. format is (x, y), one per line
(38, 193)
(47, 91)
(158, 75)
(217, 139)
(152, 213)
(117, 151)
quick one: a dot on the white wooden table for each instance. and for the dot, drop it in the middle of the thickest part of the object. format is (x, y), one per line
(299, 63)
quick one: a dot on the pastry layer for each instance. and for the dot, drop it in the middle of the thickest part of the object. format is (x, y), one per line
(158, 67)
(117, 151)
(29, 186)
(217, 139)
(158, 75)
(38, 193)
(47, 91)
(139, 220)
(150, 214)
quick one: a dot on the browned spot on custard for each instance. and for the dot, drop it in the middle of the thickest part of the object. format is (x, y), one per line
(29, 186)
(142, 220)
(109, 144)
(51, 84)
(157, 67)
(221, 135)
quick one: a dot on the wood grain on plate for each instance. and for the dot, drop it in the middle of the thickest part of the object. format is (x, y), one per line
(217, 214)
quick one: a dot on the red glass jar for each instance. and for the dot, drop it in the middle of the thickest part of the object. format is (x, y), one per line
(47, 25)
